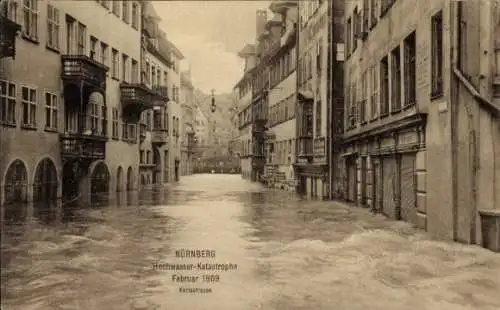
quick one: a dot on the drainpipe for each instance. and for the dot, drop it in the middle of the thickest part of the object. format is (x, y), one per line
(298, 118)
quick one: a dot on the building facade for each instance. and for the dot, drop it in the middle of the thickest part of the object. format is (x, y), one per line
(65, 130)
(202, 137)
(174, 111)
(421, 140)
(281, 124)
(243, 93)
(188, 132)
(154, 125)
(313, 130)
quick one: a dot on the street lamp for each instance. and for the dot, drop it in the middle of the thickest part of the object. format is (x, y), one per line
(213, 102)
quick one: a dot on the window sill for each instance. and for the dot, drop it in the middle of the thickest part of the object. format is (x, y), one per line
(28, 127)
(53, 49)
(33, 40)
(8, 124)
(115, 78)
(396, 111)
(51, 129)
(115, 138)
(384, 115)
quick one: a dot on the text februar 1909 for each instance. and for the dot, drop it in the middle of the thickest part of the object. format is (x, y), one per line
(199, 275)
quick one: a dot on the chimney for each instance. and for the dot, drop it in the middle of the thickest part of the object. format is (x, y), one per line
(260, 22)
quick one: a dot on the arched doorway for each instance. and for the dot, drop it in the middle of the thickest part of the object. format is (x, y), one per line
(130, 179)
(45, 186)
(99, 184)
(119, 179)
(15, 192)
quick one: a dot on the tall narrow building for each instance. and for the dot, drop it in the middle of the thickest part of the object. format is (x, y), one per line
(422, 141)
(281, 124)
(312, 130)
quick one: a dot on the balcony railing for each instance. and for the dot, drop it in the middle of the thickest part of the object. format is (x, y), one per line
(81, 68)
(159, 136)
(162, 91)
(136, 98)
(8, 33)
(306, 147)
(80, 146)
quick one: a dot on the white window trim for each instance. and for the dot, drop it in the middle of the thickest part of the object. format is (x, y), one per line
(31, 104)
(7, 98)
(33, 13)
(55, 23)
(53, 108)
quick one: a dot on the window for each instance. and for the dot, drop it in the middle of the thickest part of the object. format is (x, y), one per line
(384, 86)
(124, 68)
(166, 121)
(114, 128)
(104, 120)
(158, 77)
(104, 53)
(94, 118)
(319, 59)
(318, 118)
(53, 27)
(165, 78)
(410, 69)
(135, 15)
(114, 63)
(366, 15)
(12, 11)
(135, 71)
(30, 18)
(93, 47)
(125, 11)
(29, 106)
(375, 98)
(348, 36)
(141, 156)
(153, 75)
(7, 102)
(395, 80)
(374, 13)
(357, 22)
(51, 107)
(116, 7)
(437, 55)
(81, 38)
(364, 100)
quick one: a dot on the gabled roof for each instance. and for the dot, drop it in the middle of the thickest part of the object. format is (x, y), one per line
(175, 50)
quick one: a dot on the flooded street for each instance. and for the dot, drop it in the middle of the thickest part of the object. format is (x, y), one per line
(281, 253)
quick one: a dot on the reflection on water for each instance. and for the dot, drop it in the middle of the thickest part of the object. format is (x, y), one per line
(291, 254)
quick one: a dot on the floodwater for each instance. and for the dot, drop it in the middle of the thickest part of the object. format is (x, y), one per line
(281, 253)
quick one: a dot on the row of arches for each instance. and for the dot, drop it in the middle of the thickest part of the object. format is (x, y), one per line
(46, 182)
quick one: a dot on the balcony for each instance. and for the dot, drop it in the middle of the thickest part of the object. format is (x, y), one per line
(162, 92)
(82, 147)
(78, 69)
(259, 126)
(8, 33)
(137, 98)
(159, 136)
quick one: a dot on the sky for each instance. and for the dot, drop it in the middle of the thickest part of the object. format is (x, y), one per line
(210, 34)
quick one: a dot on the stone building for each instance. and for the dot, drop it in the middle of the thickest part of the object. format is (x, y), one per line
(187, 103)
(155, 128)
(65, 129)
(313, 76)
(281, 125)
(421, 141)
(243, 94)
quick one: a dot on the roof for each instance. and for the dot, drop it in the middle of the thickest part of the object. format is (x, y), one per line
(247, 50)
(174, 49)
(149, 11)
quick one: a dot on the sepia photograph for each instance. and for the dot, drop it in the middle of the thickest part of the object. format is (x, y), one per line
(250, 155)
